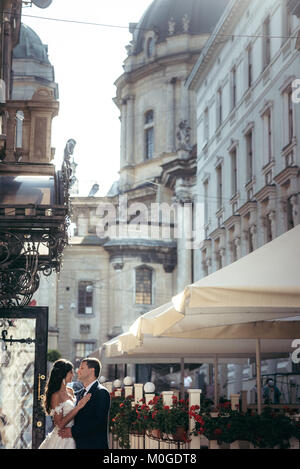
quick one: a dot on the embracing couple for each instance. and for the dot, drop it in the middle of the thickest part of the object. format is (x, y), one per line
(81, 421)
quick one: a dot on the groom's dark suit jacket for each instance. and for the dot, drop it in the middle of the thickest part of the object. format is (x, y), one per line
(90, 429)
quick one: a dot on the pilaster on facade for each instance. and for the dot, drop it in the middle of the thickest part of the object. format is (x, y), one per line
(218, 237)
(206, 257)
(233, 229)
(289, 187)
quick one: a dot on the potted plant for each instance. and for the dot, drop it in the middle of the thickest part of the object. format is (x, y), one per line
(141, 418)
(272, 429)
(169, 422)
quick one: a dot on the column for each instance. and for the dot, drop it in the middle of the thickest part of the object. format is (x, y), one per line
(138, 392)
(108, 385)
(10, 138)
(123, 132)
(184, 101)
(194, 399)
(171, 115)
(296, 210)
(130, 131)
(235, 401)
(184, 251)
(128, 391)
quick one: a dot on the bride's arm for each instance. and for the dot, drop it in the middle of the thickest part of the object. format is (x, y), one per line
(61, 421)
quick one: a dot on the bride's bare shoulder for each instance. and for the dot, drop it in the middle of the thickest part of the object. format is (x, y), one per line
(55, 399)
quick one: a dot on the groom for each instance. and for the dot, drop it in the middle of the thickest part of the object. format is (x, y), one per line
(90, 429)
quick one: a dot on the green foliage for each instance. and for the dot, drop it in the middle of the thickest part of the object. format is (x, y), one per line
(53, 355)
(268, 430)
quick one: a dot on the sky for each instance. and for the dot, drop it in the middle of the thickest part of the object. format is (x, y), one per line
(87, 61)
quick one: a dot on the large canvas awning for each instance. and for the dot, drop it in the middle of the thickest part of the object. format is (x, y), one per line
(262, 286)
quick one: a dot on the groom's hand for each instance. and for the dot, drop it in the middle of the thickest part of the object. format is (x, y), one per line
(65, 432)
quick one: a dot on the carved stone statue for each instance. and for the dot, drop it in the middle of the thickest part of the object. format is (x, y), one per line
(184, 135)
(172, 25)
(69, 148)
(186, 23)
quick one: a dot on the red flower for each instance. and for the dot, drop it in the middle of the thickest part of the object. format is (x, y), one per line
(229, 426)
(154, 415)
(218, 431)
(166, 407)
(121, 405)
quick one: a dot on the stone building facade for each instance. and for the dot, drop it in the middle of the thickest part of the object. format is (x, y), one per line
(248, 169)
(137, 269)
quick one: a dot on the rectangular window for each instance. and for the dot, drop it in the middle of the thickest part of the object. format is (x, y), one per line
(219, 107)
(149, 134)
(266, 42)
(249, 152)
(83, 350)
(205, 188)
(85, 297)
(250, 66)
(219, 187)
(234, 181)
(290, 115)
(233, 88)
(143, 286)
(287, 26)
(269, 135)
(149, 137)
(206, 125)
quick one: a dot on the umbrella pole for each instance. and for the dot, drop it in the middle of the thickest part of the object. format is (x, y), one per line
(258, 376)
(182, 378)
(216, 380)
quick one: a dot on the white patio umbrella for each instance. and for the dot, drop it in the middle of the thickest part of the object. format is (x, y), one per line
(275, 340)
(262, 286)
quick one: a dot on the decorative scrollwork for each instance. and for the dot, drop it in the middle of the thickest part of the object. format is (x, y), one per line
(27, 252)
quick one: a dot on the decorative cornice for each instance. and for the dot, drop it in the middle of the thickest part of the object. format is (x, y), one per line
(231, 14)
(247, 208)
(183, 168)
(266, 192)
(287, 174)
(149, 251)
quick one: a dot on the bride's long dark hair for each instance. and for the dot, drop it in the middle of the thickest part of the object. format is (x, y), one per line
(58, 373)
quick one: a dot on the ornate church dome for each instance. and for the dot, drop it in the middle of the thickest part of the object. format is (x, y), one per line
(31, 66)
(173, 17)
(30, 46)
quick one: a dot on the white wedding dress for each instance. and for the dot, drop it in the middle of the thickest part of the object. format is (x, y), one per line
(53, 440)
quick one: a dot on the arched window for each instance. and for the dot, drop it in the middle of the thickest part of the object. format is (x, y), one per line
(149, 135)
(19, 129)
(150, 47)
(143, 286)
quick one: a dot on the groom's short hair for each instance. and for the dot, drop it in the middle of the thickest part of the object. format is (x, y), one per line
(93, 363)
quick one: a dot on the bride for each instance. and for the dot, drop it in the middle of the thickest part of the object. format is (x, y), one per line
(59, 403)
